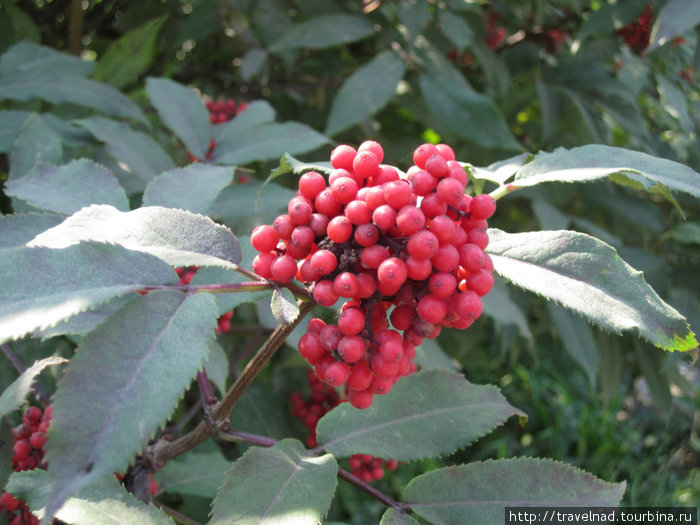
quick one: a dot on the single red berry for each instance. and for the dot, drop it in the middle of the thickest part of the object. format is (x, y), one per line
(32, 416)
(397, 194)
(366, 235)
(409, 220)
(330, 337)
(373, 256)
(316, 325)
(360, 376)
(471, 257)
(327, 204)
(431, 308)
(433, 205)
(479, 237)
(468, 305)
(283, 268)
(319, 224)
(344, 189)
(283, 226)
(22, 450)
(418, 270)
(422, 182)
(482, 206)
(324, 262)
(442, 284)
(38, 440)
(324, 294)
(342, 157)
(391, 274)
(310, 348)
(351, 348)
(360, 398)
(264, 238)
(402, 316)
(450, 190)
(346, 285)
(443, 227)
(357, 212)
(299, 210)
(391, 350)
(480, 282)
(446, 259)
(374, 147)
(381, 385)
(384, 217)
(436, 165)
(337, 373)
(446, 152)
(422, 245)
(422, 153)
(351, 321)
(366, 285)
(311, 184)
(339, 229)
(365, 163)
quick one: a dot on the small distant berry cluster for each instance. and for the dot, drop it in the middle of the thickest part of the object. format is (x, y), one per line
(321, 400)
(636, 34)
(223, 110)
(30, 439)
(224, 322)
(406, 249)
(495, 34)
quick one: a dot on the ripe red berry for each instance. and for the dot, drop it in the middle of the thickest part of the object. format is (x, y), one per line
(422, 245)
(264, 238)
(346, 285)
(330, 337)
(422, 183)
(299, 210)
(337, 373)
(432, 308)
(360, 398)
(38, 440)
(262, 263)
(436, 165)
(351, 348)
(351, 321)
(397, 194)
(446, 152)
(422, 153)
(446, 259)
(324, 261)
(344, 189)
(450, 190)
(324, 294)
(327, 204)
(480, 282)
(366, 234)
(384, 217)
(373, 256)
(311, 184)
(482, 206)
(283, 268)
(342, 157)
(366, 285)
(310, 348)
(339, 229)
(283, 226)
(365, 163)
(409, 220)
(391, 274)
(442, 284)
(357, 212)
(374, 147)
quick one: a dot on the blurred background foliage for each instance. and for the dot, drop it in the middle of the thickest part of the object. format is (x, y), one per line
(494, 80)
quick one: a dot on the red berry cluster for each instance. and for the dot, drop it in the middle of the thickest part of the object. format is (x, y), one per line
(30, 438)
(223, 110)
(224, 322)
(321, 400)
(636, 34)
(553, 39)
(409, 250)
(495, 34)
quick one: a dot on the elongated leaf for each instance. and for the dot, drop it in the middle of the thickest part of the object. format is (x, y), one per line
(280, 484)
(623, 166)
(324, 31)
(478, 493)
(195, 474)
(578, 340)
(182, 111)
(456, 29)
(36, 143)
(59, 88)
(587, 276)
(409, 422)
(284, 306)
(85, 322)
(104, 503)
(178, 237)
(258, 112)
(129, 56)
(27, 56)
(258, 412)
(136, 152)
(68, 188)
(503, 310)
(217, 365)
(193, 188)
(14, 395)
(394, 517)
(153, 348)
(675, 17)
(19, 229)
(268, 141)
(366, 91)
(12, 121)
(41, 286)
(429, 355)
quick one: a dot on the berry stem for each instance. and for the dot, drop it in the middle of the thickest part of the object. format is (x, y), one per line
(503, 190)
(208, 397)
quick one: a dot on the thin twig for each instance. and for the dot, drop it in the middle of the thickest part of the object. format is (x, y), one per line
(208, 397)
(177, 516)
(369, 489)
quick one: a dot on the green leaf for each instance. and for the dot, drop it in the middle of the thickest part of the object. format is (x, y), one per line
(499, 172)
(610, 17)
(503, 310)
(194, 474)
(36, 143)
(394, 517)
(430, 355)
(85, 322)
(68, 188)
(456, 29)
(178, 237)
(577, 336)
(674, 102)
(284, 306)
(183, 112)
(587, 276)
(685, 232)
(14, 395)
(60, 88)
(7, 440)
(675, 17)
(19, 229)
(153, 348)
(268, 141)
(280, 484)
(258, 112)
(42, 286)
(622, 166)
(252, 62)
(129, 56)
(366, 91)
(217, 365)
(324, 31)
(12, 122)
(409, 422)
(193, 188)
(136, 152)
(28, 57)
(469, 114)
(478, 493)
(214, 275)
(259, 412)
(104, 503)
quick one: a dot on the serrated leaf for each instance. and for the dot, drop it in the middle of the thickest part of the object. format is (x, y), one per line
(183, 112)
(12, 122)
(395, 517)
(129, 56)
(366, 91)
(324, 31)
(178, 237)
(137, 153)
(42, 286)
(14, 395)
(60, 88)
(587, 276)
(409, 421)
(675, 17)
(257, 112)
(279, 484)
(284, 306)
(19, 229)
(623, 166)
(153, 348)
(193, 188)
(68, 188)
(478, 493)
(456, 29)
(28, 56)
(577, 336)
(268, 141)
(239, 200)
(503, 310)
(290, 164)
(194, 474)
(430, 355)
(36, 143)
(104, 503)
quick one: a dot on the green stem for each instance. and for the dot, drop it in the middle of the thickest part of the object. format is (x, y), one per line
(503, 190)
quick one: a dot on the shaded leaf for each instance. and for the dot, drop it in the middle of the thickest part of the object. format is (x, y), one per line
(19, 229)
(36, 143)
(456, 29)
(685, 232)
(68, 188)
(587, 276)
(14, 395)
(674, 102)
(7, 440)
(183, 112)
(274, 485)
(252, 62)
(194, 474)
(675, 17)
(104, 503)
(153, 348)
(217, 365)
(178, 237)
(85, 322)
(409, 422)
(284, 306)
(12, 122)
(324, 31)
(27, 57)
(478, 493)
(258, 112)
(260, 413)
(239, 201)
(394, 517)
(577, 336)
(503, 310)
(429, 355)
(366, 91)
(193, 188)
(42, 286)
